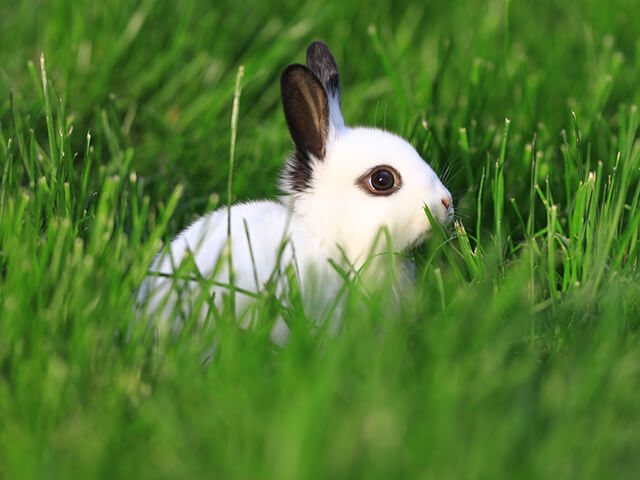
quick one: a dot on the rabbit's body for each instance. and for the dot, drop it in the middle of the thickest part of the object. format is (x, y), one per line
(343, 187)
(265, 239)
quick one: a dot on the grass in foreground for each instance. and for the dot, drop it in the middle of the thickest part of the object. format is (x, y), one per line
(518, 358)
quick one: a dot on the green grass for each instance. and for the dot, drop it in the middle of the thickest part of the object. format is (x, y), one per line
(517, 358)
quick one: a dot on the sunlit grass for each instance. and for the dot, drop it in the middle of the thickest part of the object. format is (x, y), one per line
(517, 354)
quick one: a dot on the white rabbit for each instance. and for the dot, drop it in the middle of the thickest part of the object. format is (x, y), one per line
(342, 186)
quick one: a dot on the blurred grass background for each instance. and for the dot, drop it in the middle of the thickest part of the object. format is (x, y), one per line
(518, 358)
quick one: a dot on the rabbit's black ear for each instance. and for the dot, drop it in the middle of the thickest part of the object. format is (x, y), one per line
(323, 65)
(306, 109)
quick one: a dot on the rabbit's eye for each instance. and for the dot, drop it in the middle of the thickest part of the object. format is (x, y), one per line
(380, 180)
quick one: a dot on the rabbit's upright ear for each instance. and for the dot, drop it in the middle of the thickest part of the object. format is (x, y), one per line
(306, 109)
(323, 65)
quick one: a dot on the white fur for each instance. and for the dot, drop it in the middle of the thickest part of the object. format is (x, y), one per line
(332, 220)
(337, 212)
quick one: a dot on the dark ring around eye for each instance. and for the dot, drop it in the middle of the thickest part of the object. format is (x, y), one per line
(380, 180)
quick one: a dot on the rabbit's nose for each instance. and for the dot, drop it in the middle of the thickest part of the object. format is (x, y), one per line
(446, 201)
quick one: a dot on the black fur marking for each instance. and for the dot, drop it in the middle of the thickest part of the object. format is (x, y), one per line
(298, 172)
(323, 65)
(306, 110)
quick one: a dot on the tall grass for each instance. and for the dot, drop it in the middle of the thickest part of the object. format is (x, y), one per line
(518, 354)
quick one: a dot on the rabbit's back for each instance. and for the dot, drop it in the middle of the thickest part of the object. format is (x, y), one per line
(261, 244)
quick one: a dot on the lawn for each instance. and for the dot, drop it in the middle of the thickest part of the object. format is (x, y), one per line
(517, 356)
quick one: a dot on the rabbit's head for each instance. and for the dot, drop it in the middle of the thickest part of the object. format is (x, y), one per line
(347, 184)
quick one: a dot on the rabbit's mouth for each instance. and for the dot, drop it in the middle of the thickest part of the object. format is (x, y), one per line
(442, 217)
(442, 220)
(423, 237)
